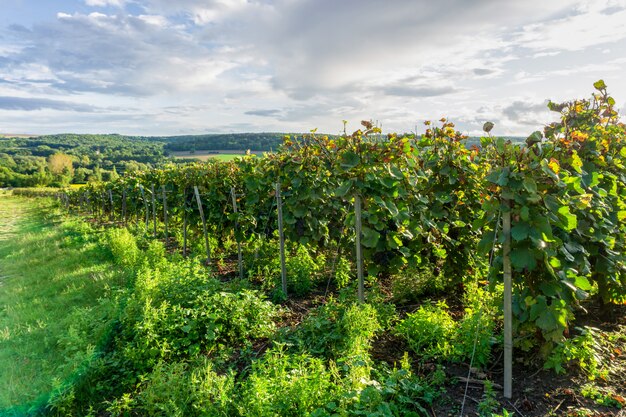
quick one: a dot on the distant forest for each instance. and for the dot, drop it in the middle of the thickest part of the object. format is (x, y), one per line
(59, 160)
(227, 141)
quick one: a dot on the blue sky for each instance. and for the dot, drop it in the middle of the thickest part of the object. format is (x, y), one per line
(164, 67)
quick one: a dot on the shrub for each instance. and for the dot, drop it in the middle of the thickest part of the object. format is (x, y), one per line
(123, 247)
(301, 271)
(338, 331)
(185, 327)
(429, 331)
(284, 384)
(415, 281)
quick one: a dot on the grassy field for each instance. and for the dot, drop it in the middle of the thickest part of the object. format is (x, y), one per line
(52, 277)
(205, 155)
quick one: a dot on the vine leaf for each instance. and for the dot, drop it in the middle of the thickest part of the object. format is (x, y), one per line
(520, 231)
(568, 219)
(350, 160)
(523, 258)
(344, 188)
(370, 237)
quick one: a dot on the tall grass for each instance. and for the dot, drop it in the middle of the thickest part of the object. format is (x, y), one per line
(51, 282)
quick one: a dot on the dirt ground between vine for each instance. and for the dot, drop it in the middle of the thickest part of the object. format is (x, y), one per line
(539, 392)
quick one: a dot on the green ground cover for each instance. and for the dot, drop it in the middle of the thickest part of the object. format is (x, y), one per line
(52, 280)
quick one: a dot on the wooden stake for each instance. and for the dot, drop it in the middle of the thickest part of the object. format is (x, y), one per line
(239, 255)
(145, 204)
(508, 316)
(206, 236)
(359, 257)
(153, 210)
(124, 205)
(281, 237)
(112, 216)
(165, 213)
(185, 223)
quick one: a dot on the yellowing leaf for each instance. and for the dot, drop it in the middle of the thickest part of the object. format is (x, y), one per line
(577, 163)
(554, 165)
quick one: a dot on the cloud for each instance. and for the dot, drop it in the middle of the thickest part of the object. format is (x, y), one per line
(32, 104)
(118, 54)
(264, 112)
(105, 3)
(590, 26)
(410, 91)
(527, 113)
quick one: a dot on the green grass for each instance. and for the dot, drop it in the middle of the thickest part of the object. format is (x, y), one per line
(53, 275)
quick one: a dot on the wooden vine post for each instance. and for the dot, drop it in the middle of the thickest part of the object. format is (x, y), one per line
(165, 212)
(359, 255)
(88, 202)
(281, 236)
(124, 206)
(239, 254)
(145, 204)
(103, 207)
(153, 210)
(112, 216)
(508, 289)
(206, 236)
(185, 223)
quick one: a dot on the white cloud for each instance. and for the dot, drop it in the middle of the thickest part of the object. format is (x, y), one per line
(577, 32)
(299, 64)
(105, 3)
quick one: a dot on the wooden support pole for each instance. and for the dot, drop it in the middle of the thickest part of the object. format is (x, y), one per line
(165, 213)
(145, 204)
(206, 236)
(281, 237)
(508, 316)
(124, 206)
(111, 216)
(154, 221)
(239, 254)
(185, 223)
(103, 208)
(359, 256)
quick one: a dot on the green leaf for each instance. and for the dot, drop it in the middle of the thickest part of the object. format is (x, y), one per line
(488, 126)
(388, 182)
(350, 160)
(520, 231)
(530, 185)
(396, 172)
(370, 237)
(500, 145)
(523, 258)
(568, 219)
(599, 85)
(391, 207)
(344, 188)
(535, 137)
(582, 283)
(486, 243)
(524, 213)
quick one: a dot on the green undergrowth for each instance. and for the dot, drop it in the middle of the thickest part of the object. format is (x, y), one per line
(56, 301)
(107, 322)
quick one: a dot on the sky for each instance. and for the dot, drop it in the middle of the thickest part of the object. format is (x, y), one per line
(173, 67)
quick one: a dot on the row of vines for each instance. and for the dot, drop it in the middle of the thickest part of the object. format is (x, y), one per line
(427, 200)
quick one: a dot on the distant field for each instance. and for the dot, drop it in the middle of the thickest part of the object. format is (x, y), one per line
(11, 135)
(206, 155)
